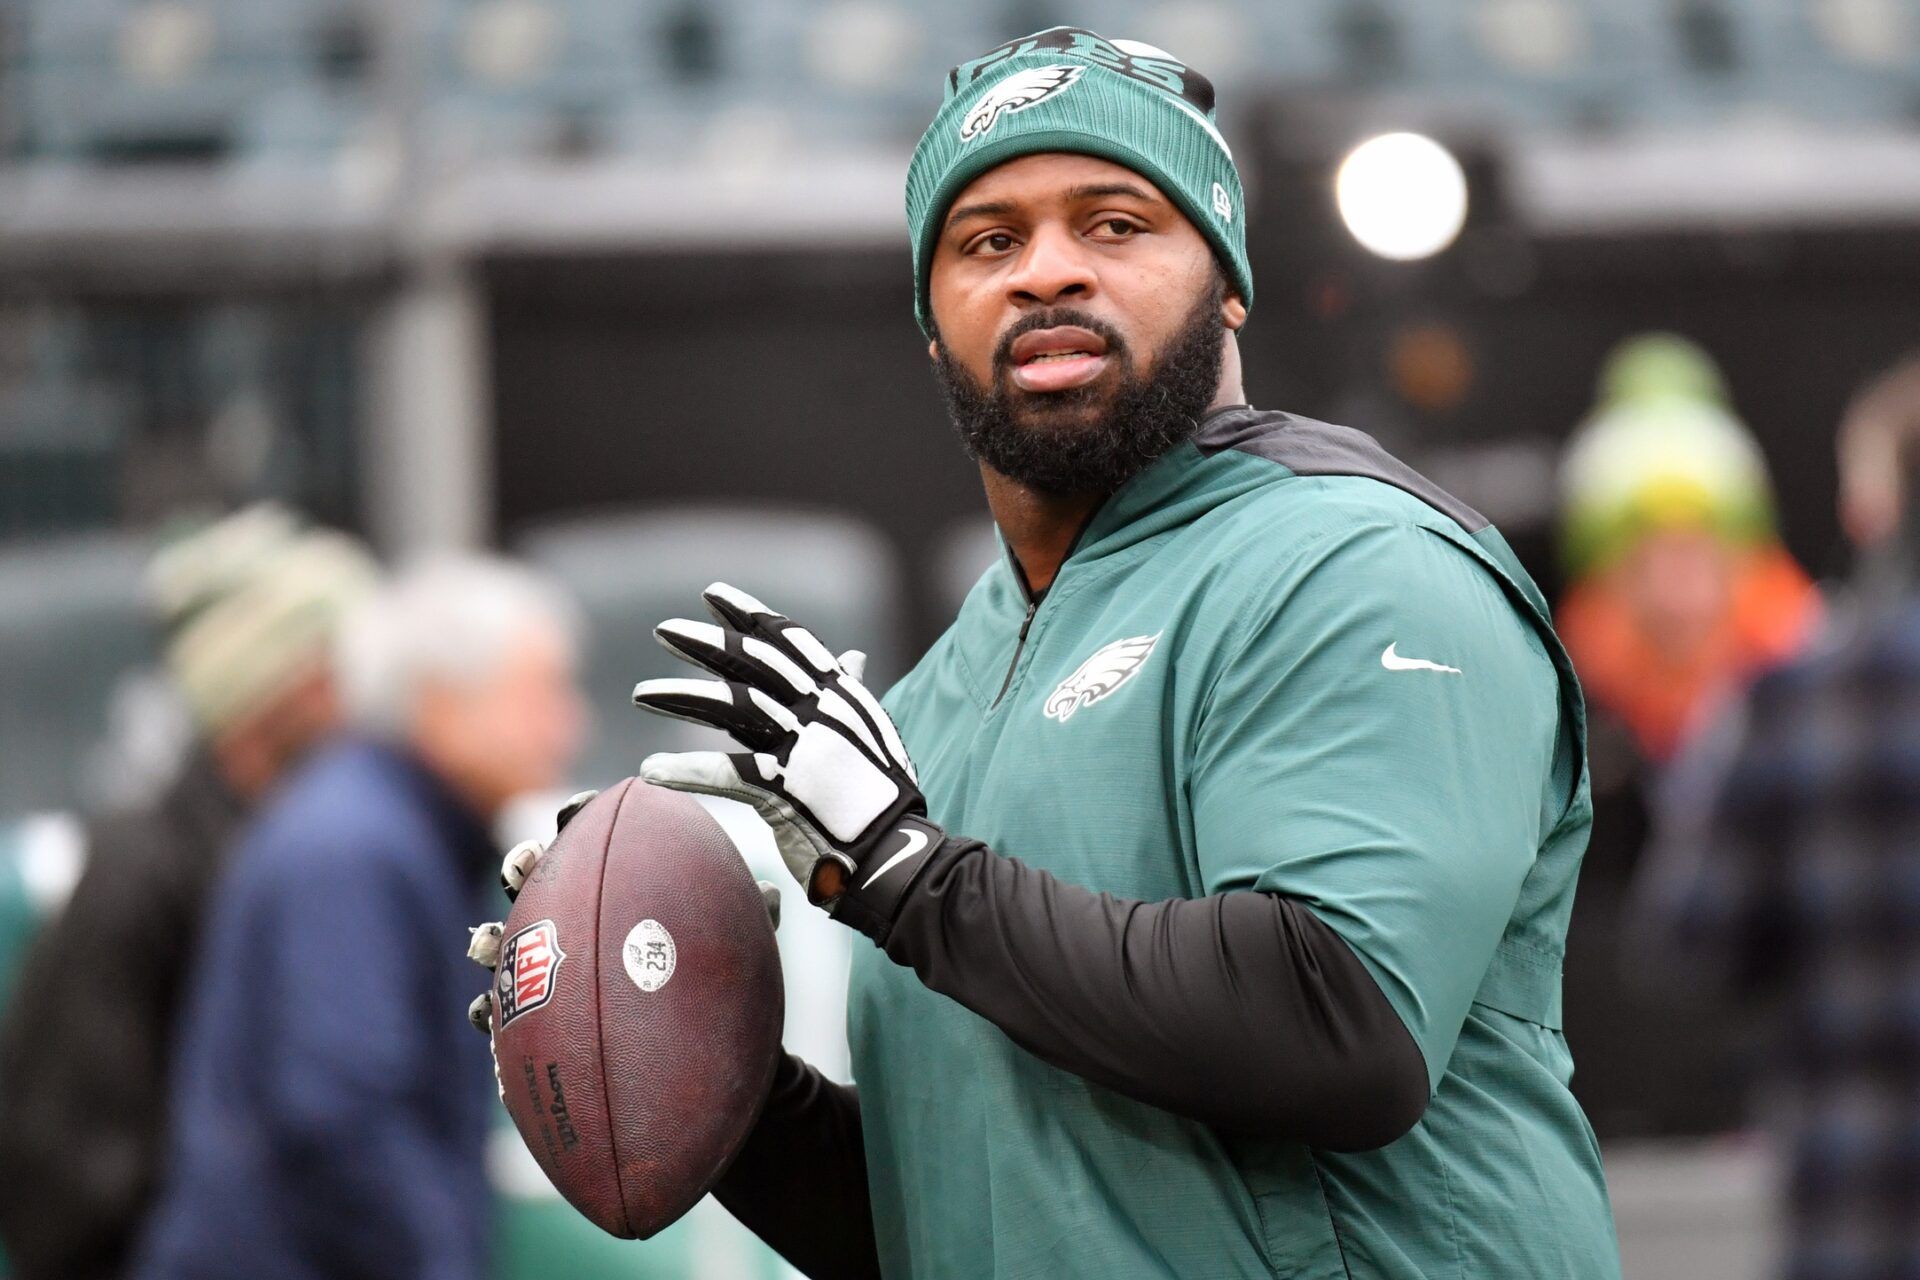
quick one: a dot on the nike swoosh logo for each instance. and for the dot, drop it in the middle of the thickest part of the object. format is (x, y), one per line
(916, 841)
(1394, 662)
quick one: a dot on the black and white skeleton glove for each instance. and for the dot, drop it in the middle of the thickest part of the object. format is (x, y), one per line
(823, 763)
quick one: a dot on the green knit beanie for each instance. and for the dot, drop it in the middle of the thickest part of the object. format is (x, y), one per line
(1065, 89)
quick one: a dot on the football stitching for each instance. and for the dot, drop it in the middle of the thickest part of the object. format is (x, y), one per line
(599, 1021)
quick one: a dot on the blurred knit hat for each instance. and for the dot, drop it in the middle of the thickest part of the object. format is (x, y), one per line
(250, 604)
(1661, 450)
(1065, 89)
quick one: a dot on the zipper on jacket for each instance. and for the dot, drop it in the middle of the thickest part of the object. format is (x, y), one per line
(1033, 607)
(1033, 601)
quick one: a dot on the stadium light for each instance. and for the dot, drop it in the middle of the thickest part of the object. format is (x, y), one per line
(1402, 195)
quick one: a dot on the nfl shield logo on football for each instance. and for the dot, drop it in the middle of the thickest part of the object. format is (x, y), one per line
(529, 962)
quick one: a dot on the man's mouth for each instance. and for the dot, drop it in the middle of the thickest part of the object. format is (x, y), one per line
(1057, 359)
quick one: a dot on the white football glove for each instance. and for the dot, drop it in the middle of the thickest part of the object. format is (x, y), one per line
(823, 765)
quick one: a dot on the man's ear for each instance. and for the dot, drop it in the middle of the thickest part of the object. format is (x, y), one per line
(1233, 310)
(933, 350)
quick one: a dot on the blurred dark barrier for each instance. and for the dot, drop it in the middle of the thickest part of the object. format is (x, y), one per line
(798, 378)
(788, 379)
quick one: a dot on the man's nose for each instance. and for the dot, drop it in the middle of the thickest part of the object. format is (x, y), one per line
(1054, 267)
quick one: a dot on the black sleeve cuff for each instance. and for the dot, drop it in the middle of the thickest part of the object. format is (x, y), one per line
(800, 1182)
(881, 884)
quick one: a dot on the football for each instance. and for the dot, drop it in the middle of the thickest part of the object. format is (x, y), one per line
(637, 1007)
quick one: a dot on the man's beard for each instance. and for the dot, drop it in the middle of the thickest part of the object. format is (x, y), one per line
(1089, 439)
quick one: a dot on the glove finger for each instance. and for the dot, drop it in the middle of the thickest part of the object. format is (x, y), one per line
(863, 698)
(739, 610)
(578, 801)
(518, 865)
(733, 655)
(483, 943)
(751, 779)
(841, 712)
(770, 894)
(713, 773)
(748, 616)
(480, 1013)
(854, 663)
(763, 668)
(708, 702)
(752, 718)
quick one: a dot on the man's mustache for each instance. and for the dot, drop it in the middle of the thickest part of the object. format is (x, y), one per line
(1053, 318)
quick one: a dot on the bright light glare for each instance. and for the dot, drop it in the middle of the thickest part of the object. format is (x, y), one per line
(1402, 195)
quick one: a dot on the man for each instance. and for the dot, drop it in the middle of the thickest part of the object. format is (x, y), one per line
(327, 1122)
(248, 607)
(1787, 875)
(1269, 767)
(1680, 589)
(1679, 592)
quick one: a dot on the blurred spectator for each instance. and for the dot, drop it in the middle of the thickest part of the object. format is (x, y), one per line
(248, 608)
(1681, 592)
(1788, 867)
(1681, 589)
(332, 1103)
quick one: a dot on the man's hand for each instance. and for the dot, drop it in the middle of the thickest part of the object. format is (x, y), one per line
(823, 764)
(483, 944)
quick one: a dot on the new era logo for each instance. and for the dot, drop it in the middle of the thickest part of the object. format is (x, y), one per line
(529, 961)
(1222, 203)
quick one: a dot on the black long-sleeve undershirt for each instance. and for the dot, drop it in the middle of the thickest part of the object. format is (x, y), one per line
(1240, 1010)
(800, 1182)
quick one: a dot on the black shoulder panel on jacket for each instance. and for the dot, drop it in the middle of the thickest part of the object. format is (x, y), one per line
(1309, 448)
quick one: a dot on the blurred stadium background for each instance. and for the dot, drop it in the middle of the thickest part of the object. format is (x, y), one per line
(600, 280)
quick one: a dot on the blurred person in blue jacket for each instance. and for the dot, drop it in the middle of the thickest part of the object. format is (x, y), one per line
(1787, 872)
(332, 1105)
(247, 608)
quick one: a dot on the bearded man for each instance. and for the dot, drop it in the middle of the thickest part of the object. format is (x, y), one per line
(1270, 769)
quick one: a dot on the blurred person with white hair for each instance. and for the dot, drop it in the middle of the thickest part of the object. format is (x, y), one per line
(332, 1109)
(248, 608)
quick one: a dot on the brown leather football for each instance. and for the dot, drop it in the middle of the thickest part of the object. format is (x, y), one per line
(637, 1007)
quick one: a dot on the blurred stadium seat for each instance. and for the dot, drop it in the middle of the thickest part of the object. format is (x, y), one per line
(73, 625)
(184, 79)
(533, 75)
(60, 437)
(631, 572)
(670, 79)
(1842, 60)
(126, 410)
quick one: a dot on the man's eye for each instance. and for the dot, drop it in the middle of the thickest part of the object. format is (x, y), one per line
(992, 242)
(1118, 227)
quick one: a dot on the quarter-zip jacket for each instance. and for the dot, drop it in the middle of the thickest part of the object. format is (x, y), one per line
(1276, 661)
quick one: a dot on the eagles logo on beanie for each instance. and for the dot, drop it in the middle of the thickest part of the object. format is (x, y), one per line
(1066, 89)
